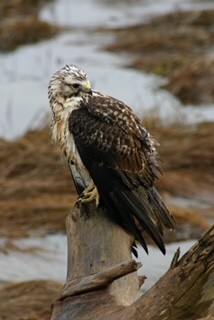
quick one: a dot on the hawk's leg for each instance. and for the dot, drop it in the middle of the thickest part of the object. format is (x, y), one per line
(90, 194)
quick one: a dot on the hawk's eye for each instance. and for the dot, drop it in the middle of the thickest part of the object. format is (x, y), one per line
(76, 85)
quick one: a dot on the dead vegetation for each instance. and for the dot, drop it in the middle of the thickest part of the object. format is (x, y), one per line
(20, 24)
(36, 194)
(177, 45)
(185, 291)
(36, 189)
(188, 170)
(11, 8)
(28, 300)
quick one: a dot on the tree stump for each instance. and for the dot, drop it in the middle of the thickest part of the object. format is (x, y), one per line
(102, 283)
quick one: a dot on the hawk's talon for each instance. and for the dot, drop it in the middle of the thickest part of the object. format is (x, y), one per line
(89, 194)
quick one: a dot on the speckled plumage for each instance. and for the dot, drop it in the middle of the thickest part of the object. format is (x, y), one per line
(104, 141)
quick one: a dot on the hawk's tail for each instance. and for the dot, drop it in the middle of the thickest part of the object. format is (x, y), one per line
(138, 210)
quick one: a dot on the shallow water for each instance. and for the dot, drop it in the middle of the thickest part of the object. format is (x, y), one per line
(33, 259)
(25, 73)
(46, 258)
(111, 13)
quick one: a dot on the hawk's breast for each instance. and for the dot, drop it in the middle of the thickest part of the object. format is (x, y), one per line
(62, 135)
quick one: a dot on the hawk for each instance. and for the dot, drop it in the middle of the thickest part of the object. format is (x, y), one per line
(112, 157)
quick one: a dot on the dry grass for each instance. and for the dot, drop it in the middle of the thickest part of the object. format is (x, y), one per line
(36, 189)
(188, 159)
(190, 216)
(28, 300)
(11, 8)
(25, 30)
(20, 23)
(177, 45)
(187, 147)
(36, 194)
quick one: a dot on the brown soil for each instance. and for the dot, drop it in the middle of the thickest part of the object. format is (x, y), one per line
(20, 24)
(28, 300)
(177, 45)
(36, 189)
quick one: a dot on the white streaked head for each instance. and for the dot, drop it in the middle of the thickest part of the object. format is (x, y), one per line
(68, 83)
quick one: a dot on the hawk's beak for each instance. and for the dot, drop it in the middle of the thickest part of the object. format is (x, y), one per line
(87, 88)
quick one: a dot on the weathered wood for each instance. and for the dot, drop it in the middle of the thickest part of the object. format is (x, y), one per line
(98, 280)
(97, 249)
(185, 292)
(96, 243)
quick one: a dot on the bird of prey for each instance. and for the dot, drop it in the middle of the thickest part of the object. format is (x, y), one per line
(112, 157)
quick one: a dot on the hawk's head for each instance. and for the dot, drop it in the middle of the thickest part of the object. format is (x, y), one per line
(68, 83)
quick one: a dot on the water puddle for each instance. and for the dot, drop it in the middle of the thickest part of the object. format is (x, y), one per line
(117, 13)
(33, 258)
(46, 259)
(155, 264)
(25, 73)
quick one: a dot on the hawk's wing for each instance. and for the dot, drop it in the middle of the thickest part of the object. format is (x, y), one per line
(120, 156)
(111, 128)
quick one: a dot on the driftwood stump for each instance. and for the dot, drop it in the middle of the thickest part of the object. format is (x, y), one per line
(102, 283)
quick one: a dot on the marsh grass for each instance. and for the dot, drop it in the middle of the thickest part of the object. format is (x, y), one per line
(37, 192)
(20, 24)
(28, 300)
